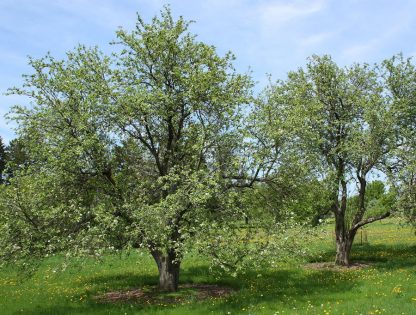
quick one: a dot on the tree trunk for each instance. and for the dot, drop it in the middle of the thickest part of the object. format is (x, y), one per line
(168, 267)
(342, 257)
(343, 241)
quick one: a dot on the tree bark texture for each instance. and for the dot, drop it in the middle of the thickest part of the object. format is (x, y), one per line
(168, 268)
(343, 241)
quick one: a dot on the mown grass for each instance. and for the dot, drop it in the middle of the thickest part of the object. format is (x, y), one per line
(388, 286)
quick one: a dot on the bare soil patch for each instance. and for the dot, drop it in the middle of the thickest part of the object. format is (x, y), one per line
(332, 267)
(150, 295)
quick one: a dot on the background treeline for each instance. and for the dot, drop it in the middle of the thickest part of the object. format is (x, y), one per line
(12, 156)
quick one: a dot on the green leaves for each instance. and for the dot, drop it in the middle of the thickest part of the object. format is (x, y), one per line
(400, 80)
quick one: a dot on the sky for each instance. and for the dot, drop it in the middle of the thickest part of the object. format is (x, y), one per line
(267, 36)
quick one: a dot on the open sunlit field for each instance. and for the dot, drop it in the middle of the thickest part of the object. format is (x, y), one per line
(386, 286)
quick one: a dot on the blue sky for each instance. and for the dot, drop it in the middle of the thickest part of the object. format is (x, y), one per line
(268, 36)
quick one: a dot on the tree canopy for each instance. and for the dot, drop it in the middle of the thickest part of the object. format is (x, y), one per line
(342, 126)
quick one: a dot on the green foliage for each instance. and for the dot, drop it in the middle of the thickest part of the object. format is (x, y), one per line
(400, 77)
(335, 113)
(334, 117)
(292, 193)
(16, 158)
(291, 187)
(377, 200)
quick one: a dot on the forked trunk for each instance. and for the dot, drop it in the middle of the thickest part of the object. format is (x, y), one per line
(168, 267)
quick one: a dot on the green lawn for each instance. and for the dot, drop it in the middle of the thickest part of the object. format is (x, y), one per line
(388, 286)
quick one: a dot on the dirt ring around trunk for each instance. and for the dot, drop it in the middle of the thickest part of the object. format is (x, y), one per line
(150, 295)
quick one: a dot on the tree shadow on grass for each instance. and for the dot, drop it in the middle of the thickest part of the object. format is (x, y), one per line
(288, 285)
(292, 287)
(118, 281)
(380, 255)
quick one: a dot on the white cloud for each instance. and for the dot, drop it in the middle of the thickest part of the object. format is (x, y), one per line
(362, 51)
(383, 37)
(274, 14)
(314, 39)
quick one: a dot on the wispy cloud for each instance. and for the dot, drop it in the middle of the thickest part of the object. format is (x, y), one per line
(315, 39)
(364, 49)
(274, 14)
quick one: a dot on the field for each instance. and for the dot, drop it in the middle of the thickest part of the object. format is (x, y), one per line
(386, 286)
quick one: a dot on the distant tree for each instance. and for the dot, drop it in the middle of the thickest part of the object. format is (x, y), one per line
(16, 157)
(375, 190)
(3, 160)
(377, 199)
(340, 122)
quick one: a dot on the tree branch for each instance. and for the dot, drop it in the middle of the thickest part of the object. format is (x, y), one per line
(370, 220)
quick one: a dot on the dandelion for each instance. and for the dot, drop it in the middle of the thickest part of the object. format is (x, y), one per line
(397, 290)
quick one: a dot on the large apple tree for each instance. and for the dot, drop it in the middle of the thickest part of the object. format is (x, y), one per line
(136, 149)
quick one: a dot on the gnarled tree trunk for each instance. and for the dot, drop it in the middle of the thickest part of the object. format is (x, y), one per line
(343, 238)
(342, 257)
(168, 266)
(343, 241)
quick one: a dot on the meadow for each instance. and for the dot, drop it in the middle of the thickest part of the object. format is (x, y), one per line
(387, 285)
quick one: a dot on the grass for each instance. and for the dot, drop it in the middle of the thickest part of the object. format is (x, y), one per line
(388, 286)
